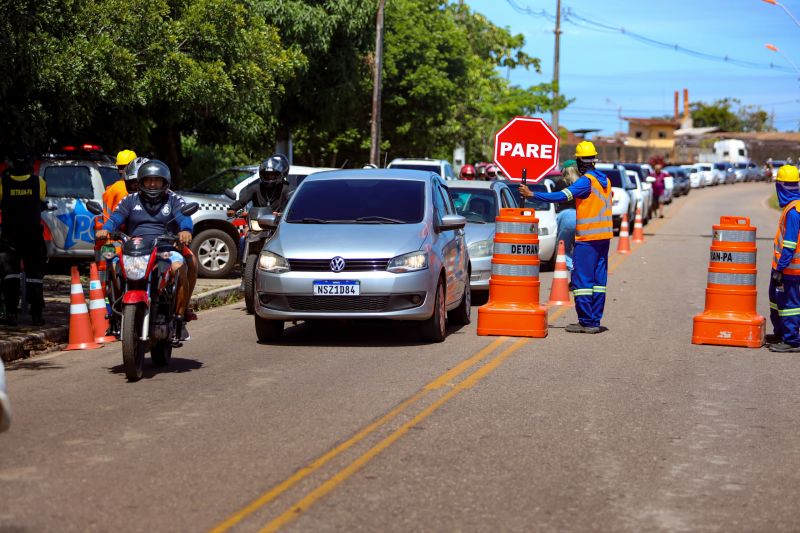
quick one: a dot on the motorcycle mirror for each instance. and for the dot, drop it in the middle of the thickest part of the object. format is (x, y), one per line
(230, 194)
(94, 208)
(190, 209)
(268, 221)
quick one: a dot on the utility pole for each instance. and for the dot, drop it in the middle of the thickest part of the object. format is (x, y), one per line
(375, 150)
(555, 63)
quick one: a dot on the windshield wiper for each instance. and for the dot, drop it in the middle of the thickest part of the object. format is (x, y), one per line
(309, 220)
(379, 220)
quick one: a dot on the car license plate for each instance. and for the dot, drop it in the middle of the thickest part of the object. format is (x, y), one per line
(337, 288)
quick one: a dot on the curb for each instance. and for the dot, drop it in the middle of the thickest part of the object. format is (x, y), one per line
(23, 345)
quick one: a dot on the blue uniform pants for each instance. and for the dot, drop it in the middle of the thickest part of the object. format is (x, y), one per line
(784, 309)
(589, 280)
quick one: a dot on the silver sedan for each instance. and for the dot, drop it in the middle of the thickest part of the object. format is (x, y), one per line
(371, 243)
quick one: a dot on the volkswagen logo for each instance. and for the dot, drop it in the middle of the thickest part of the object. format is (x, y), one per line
(337, 264)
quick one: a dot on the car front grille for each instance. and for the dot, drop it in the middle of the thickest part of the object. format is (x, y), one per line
(351, 265)
(337, 303)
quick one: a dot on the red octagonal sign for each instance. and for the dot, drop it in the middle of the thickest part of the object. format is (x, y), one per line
(526, 143)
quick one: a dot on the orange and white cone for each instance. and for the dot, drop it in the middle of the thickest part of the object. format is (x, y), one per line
(624, 246)
(97, 307)
(559, 292)
(638, 231)
(81, 336)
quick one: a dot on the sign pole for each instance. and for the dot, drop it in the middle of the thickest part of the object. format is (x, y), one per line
(520, 199)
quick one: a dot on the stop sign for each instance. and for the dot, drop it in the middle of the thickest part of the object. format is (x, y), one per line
(526, 143)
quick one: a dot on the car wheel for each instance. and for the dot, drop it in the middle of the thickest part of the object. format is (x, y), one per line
(268, 330)
(216, 253)
(434, 329)
(461, 315)
(250, 283)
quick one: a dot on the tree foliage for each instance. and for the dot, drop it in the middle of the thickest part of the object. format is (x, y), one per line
(729, 115)
(185, 78)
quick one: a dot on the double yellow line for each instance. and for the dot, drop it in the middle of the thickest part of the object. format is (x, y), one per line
(444, 380)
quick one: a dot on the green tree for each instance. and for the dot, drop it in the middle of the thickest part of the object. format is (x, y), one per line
(716, 114)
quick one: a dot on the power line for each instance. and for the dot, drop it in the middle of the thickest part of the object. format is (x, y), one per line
(582, 22)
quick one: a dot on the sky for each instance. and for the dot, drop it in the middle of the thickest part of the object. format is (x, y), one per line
(607, 72)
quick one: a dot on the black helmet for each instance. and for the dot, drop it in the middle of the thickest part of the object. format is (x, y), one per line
(274, 169)
(132, 174)
(22, 163)
(154, 169)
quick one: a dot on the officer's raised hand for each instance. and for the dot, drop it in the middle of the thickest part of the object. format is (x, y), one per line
(525, 191)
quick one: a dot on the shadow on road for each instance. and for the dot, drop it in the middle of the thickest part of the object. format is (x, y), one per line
(177, 365)
(27, 364)
(356, 333)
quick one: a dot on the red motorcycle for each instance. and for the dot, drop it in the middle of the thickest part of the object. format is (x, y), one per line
(149, 289)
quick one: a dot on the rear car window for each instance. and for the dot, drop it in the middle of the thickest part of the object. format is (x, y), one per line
(538, 205)
(110, 175)
(69, 182)
(615, 176)
(720, 166)
(476, 205)
(430, 168)
(353, 201)
(227, 179)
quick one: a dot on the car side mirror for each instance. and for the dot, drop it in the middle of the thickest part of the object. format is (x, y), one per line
(230, 194)
(452, 222)
(268, 221)
(93, 207)
(190, 209)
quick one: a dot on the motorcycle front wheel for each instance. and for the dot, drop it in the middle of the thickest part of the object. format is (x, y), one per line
(133, 347)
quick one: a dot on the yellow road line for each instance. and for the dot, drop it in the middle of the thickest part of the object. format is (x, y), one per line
(312, 497)
(441, 381)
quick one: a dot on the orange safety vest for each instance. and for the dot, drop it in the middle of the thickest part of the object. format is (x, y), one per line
(593, 213)
(794, 267)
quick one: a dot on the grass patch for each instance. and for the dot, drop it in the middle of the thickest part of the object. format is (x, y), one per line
(217, 301)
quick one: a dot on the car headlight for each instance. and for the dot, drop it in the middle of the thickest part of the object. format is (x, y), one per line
(543, 231)
(408, 262)
(274, 263)
(481, 249)
(254, 225)
(135, 266)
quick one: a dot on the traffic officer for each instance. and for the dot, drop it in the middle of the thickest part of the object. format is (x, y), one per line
(784, 283)
(593, 232)
(118, 190)
(22, 196)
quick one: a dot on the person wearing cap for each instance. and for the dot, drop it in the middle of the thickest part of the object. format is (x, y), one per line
(118, 190)
(22, 196)
(784, 281)
(593, 232)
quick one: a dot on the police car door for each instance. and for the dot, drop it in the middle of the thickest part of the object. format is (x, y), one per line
(70, 227)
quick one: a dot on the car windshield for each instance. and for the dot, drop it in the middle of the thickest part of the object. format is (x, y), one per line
(720, 166)
(110, 175)
(69, 182)
(358, 201)
(476, 205)
(408, 166)
(676, 172)
(537, 205)
(741, 165)
(614, 175)
(227, 179)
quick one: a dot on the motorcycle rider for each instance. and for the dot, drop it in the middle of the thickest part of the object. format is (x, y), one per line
(271, 189)
(467, 173)
(149, 213)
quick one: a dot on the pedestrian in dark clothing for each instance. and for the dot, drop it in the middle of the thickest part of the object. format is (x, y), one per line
(22, 196)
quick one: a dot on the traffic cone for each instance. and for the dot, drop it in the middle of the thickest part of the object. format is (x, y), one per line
(80, 326)
(624, 246)
(97, 307)
(559, 291)
(638, 232)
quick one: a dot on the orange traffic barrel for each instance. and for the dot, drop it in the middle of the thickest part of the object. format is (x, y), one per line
(513, 308)
(730, 317)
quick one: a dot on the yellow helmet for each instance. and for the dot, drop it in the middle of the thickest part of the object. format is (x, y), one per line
(585, 149)
(788, 173)
(125, 157)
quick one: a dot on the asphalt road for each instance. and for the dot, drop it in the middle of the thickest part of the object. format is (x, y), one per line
(354, 427)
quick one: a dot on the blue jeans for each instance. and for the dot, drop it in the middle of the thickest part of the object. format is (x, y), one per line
(566, 233)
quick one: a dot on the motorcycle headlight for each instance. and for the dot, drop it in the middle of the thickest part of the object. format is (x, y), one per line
(481, 249)
(254, 225)
(135, 266)
(408, 262)
(274, 263)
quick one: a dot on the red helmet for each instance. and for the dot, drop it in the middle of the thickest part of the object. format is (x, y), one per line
(467, 172)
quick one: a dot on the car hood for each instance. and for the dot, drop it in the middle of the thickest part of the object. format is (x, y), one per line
(204, 198)
(478, 232)
(350, 241)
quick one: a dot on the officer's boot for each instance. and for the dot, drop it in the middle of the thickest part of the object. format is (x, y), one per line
(35, 294)
(11, 297)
